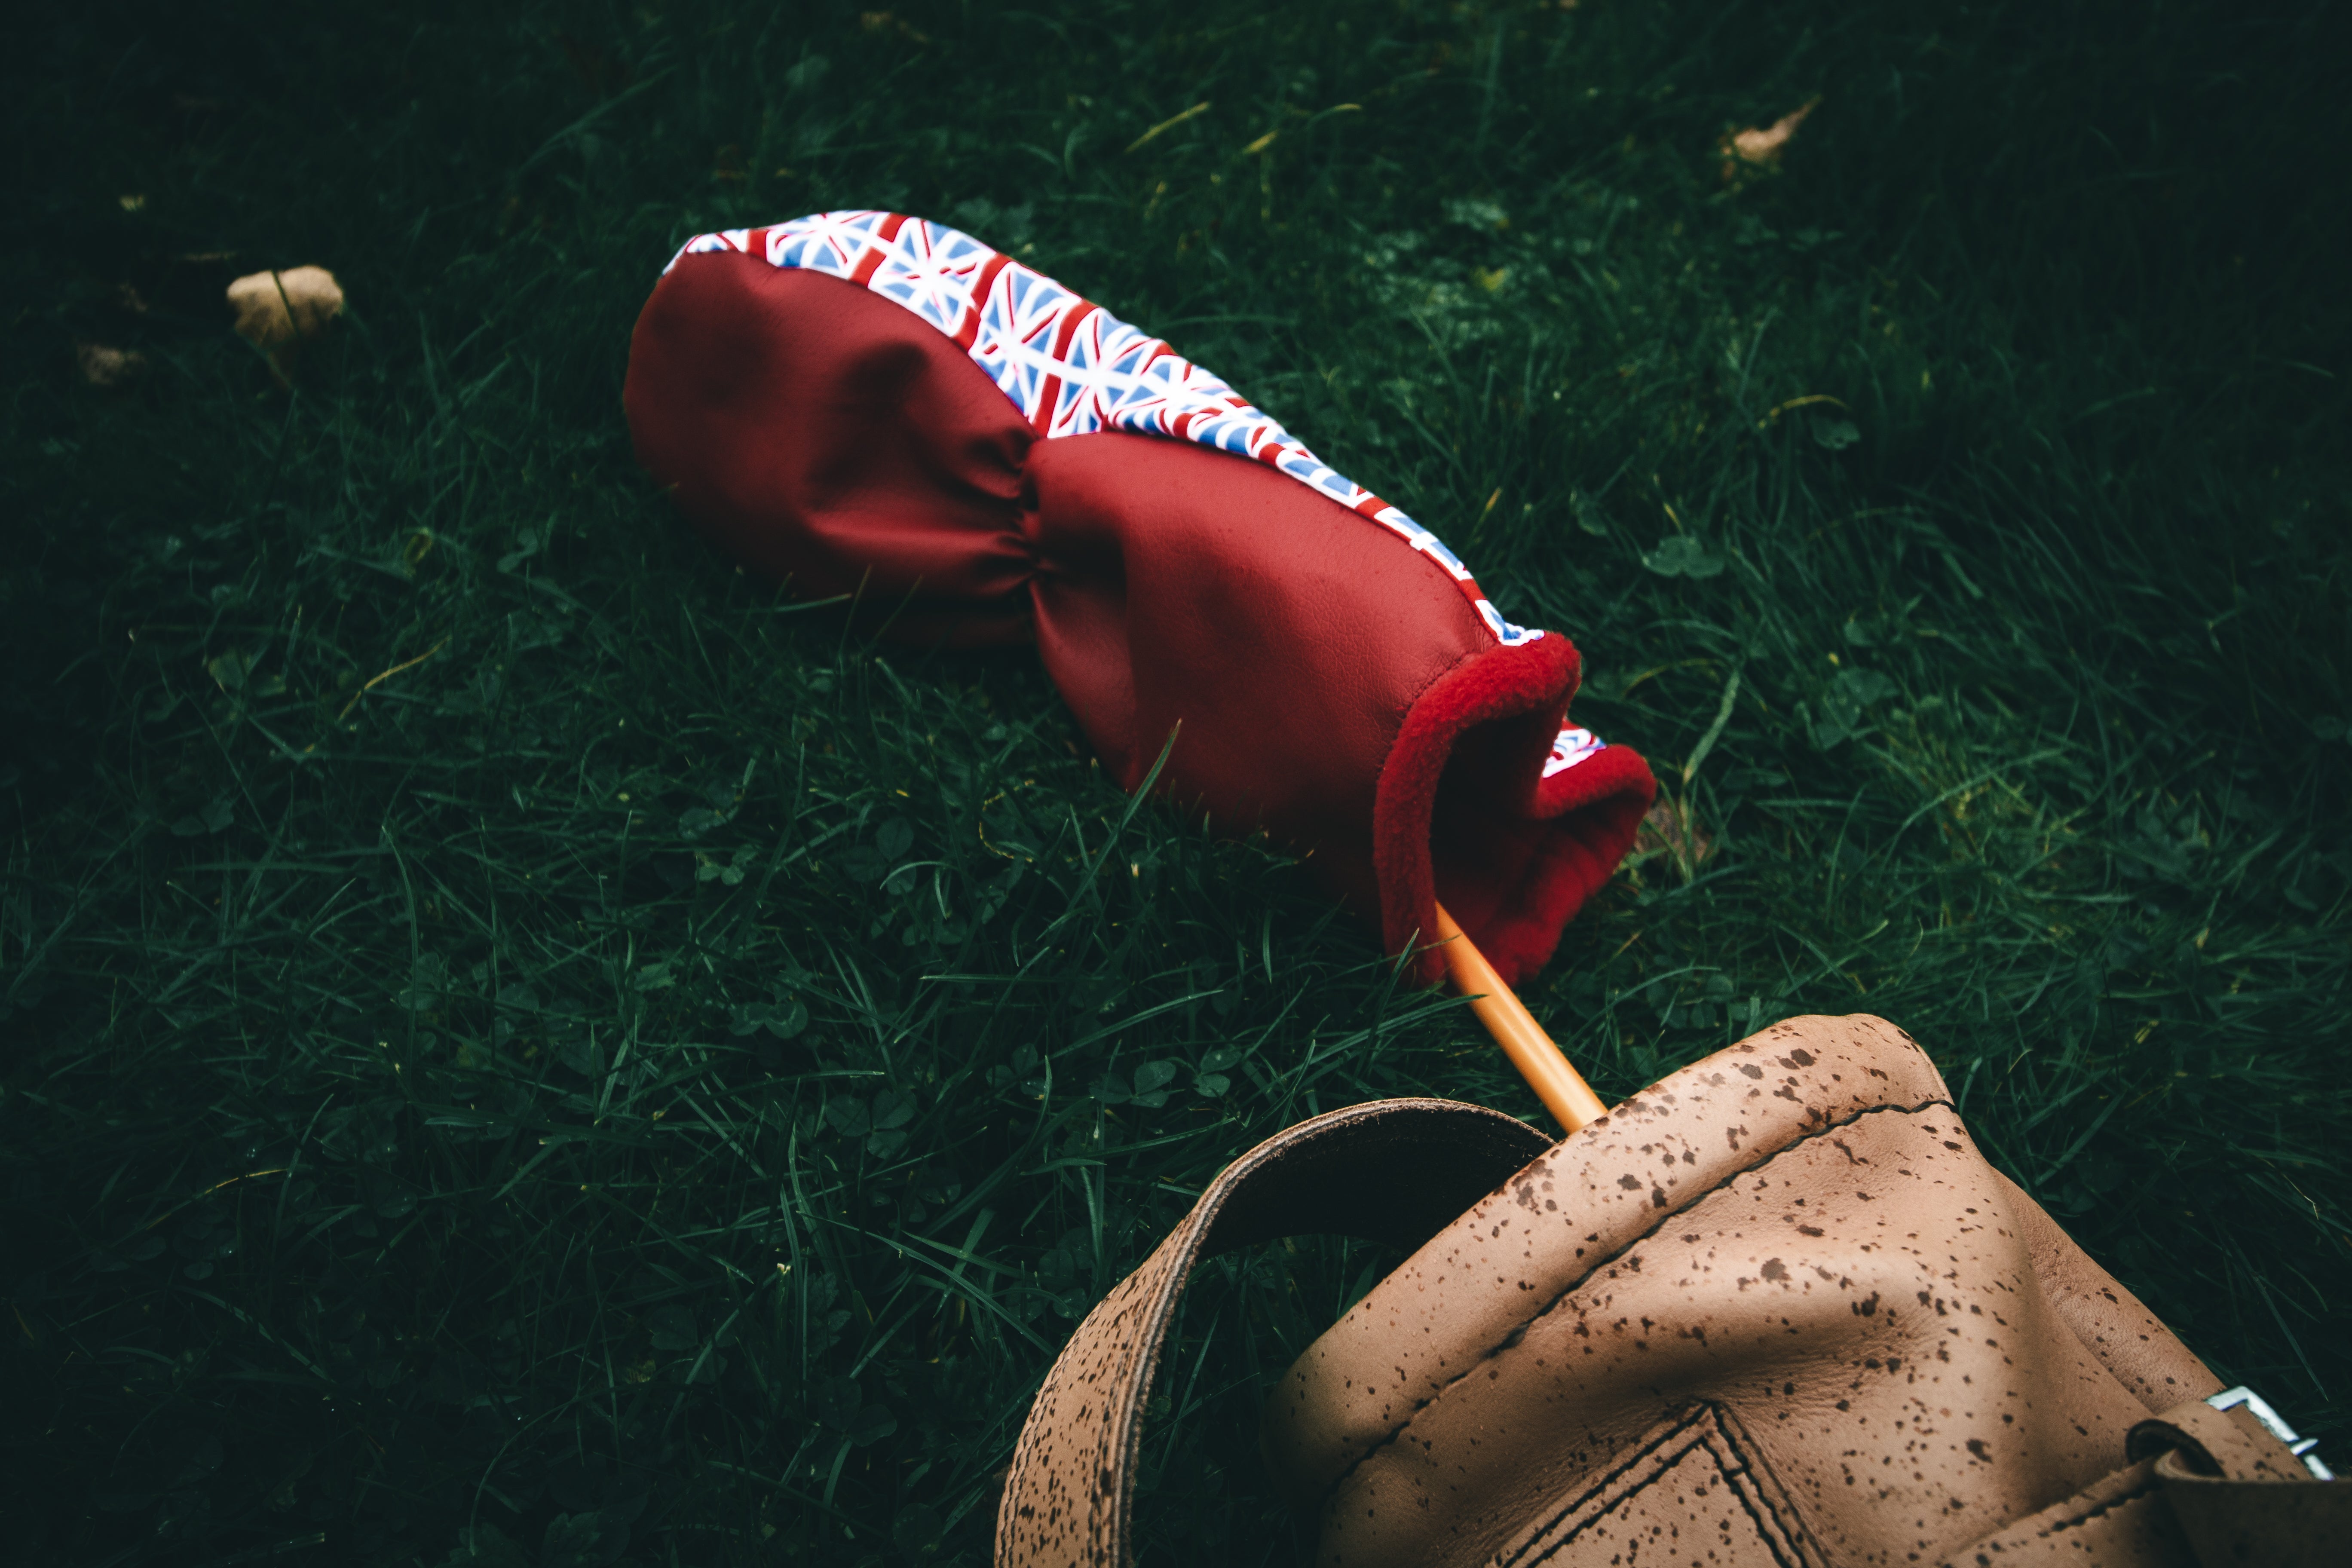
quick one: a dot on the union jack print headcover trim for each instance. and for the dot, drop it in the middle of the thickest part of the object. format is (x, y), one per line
(1071, 368)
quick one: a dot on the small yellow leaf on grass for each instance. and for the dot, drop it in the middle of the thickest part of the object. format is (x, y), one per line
(1762, 147)
(1492, 278)
(280, 313)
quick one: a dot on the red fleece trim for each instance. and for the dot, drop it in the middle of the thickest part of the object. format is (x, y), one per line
(1463, 812)
(1590, 826)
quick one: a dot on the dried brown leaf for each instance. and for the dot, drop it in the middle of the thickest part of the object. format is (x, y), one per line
(281, 312)
(1761, 147)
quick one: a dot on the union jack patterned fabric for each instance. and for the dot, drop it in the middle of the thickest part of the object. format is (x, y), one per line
(1073, 368)
(1571, 747)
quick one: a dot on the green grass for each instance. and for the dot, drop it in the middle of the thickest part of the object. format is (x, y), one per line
(655, 1079)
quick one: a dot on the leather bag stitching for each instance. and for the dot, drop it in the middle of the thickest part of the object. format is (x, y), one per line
(1710, 1418)
(1657, 1472)
(1975, 1550)
(1772, 1531)
(1519, 1331)
(1667, 1432)
(1752, 1467)
(2146, 1489)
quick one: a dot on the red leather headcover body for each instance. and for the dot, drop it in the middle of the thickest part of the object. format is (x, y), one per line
(1324, 681)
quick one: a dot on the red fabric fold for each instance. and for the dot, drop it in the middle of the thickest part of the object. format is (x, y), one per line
(823, 437)
(1324, 681)
(1465, 816)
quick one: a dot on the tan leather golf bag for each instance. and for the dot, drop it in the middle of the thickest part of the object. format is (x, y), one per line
(1775, 1310)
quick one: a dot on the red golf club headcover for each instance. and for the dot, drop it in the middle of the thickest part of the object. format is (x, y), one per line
(871, 405)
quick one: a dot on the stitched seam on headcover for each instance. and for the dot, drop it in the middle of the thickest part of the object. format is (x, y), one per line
(1518, 1332)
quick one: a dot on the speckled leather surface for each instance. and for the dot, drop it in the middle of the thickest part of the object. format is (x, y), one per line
(1776, 1308)
(1391, 1170)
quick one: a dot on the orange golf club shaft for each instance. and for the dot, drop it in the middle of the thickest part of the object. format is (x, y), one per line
(1560, 1086)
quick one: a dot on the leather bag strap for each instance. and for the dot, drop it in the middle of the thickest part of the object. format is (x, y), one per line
(2242, 1497)
(2204, 1488)
(1393, 1171)
(2292, 1522)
